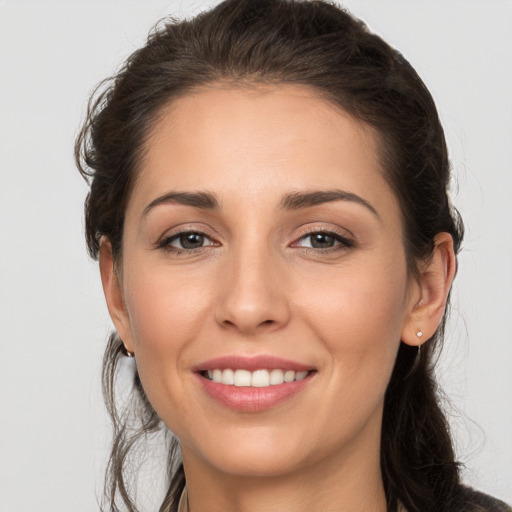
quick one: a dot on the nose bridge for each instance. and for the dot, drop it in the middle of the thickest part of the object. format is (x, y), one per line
(252, 293)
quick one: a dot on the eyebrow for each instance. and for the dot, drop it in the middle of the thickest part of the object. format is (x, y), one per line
(300, 200)
(294, 201)
(202, 200)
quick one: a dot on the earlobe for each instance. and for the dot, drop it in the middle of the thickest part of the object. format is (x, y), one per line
(434, 284)
(114, 294)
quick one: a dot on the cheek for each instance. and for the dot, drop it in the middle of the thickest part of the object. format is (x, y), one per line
(358, 315)
(357, 320)
(164, 309)
(166, 314)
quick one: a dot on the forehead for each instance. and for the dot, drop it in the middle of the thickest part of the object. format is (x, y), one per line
(259, 140)
(261, 117)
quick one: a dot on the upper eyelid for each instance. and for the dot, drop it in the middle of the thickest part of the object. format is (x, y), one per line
(179, 230)
(342, 233)
(177, 235)
(215, 237)
(164, 242)
(340, 238)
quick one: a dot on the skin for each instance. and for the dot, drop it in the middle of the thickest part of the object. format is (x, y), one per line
(257, 286)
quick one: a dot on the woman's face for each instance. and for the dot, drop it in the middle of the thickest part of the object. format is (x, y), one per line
(262, 245)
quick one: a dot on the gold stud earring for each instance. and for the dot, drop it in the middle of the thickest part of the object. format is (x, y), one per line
(126, 352)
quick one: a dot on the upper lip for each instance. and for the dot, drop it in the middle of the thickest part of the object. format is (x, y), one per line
(252, 363)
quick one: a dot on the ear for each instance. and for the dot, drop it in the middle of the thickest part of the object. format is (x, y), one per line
(114, 294)
(430, 292)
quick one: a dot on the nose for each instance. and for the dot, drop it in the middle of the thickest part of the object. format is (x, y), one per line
(252, 295)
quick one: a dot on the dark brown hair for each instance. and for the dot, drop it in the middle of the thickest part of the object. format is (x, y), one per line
(318, 45)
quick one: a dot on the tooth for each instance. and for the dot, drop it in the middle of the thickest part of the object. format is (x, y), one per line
(228, 377)
(257, 379)
(242, 378)
(260, 379)
(276, 377)
(289, 376)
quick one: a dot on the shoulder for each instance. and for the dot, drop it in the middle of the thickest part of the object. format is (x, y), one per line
(475, 501)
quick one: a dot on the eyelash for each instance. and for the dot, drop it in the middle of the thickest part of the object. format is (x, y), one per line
(165, 243)
(341, 242)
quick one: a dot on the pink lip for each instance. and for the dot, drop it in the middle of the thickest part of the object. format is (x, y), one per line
(251, 363)
(251, 399)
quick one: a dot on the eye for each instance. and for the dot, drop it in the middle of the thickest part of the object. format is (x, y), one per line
(323, 240)
(186, 241)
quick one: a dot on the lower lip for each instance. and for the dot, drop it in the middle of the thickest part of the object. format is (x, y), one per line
(251, 399)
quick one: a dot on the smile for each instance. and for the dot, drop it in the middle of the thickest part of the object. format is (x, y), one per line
(253, 383)
(256, 379)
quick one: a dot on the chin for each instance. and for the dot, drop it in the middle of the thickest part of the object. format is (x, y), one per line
(255, 463)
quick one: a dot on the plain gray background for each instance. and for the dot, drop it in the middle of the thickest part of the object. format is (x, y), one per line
(53, 321)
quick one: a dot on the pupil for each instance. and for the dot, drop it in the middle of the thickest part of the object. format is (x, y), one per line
(322, 241)
(191, 240)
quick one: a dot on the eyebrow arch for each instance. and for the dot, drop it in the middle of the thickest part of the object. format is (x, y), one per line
(203, 200)
(298, 200)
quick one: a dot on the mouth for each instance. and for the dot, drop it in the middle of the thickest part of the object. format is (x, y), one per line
(253, 384)
(260, 378)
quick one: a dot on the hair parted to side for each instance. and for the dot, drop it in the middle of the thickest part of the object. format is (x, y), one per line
(318, 45)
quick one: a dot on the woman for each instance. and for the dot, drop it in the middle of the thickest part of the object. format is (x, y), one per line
(269, 208)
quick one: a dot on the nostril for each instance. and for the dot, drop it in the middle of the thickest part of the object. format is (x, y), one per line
(230, 323)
